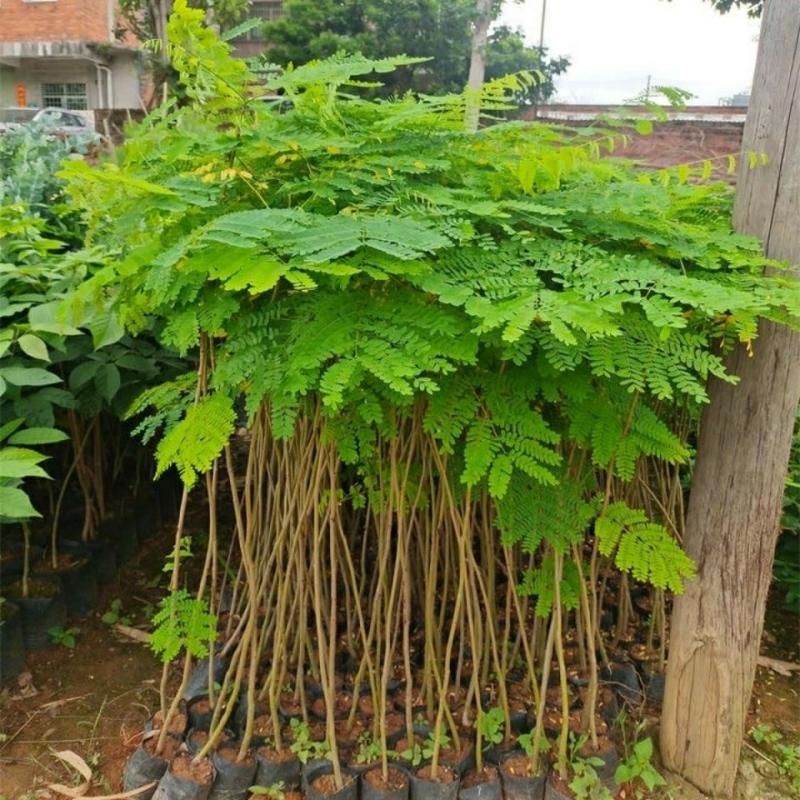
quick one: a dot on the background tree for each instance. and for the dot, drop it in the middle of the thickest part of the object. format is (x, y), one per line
(754, 7)
(147, 19)
(441, 29)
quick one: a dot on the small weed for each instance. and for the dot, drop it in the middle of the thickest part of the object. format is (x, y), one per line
(638, 767)
(491, 725)
(303, 746)
(275, 792)
(114, 614)
(785, 756)
(63, 636)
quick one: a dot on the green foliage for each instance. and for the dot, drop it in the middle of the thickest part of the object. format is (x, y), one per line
(182, 621)
(544, 310)
(540, 582)
(29, 159)
(754, 7)
(303, 746)
(115, 614)
(525, 741)
(369, 749)
(585, 783)
(60, 349)
(63, 636)
(275, 792)
(491, 724)
(638, 768)
(439, 30)
(781, 752)
(643, 548)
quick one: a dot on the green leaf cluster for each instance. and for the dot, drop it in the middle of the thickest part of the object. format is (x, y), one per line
(545, 310)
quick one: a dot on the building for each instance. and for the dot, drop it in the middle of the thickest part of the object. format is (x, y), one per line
(253, 42)
(65, 53)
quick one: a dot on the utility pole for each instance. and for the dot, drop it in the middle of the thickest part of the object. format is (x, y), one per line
(743, 451)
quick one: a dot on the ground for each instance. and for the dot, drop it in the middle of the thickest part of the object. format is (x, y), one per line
(93, 700)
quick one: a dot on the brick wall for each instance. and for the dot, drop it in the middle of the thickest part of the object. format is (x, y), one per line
(697, 133)
(54, 20)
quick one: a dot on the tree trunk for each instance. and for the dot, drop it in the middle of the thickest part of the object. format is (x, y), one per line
(743, 451)
(477, 63)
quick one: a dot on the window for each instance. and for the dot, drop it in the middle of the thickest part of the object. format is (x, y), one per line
(265, 10)
(64, 95)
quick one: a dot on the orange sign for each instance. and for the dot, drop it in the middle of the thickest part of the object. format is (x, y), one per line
(22, 95)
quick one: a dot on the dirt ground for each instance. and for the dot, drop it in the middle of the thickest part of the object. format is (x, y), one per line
(93, 700)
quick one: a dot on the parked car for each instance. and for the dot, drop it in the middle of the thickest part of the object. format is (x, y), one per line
(58, 121)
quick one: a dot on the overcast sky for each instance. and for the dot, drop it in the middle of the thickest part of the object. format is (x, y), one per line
(615, 44)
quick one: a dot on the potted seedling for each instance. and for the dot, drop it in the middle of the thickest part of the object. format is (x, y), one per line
(280, 764)
(40, 599)
(234, 772)
(274, 792)
(12, 646)
(483, 781)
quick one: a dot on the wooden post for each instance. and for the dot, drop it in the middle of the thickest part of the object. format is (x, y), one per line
(745, 437)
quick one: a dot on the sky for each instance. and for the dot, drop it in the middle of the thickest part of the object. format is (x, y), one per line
(615, 44)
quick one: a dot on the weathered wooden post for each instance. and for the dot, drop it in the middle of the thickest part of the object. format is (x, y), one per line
(735, 505)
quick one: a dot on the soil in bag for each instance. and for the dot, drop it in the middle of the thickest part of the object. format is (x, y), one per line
(233, 776)
(277, 766)
(481, 784)
(556, 788)
(443, 787)
(322, 785)
(518, 782)
(41, 610)
(78, 579)
(145, 767)
(375, 787)
(12, 646)
(186, 779)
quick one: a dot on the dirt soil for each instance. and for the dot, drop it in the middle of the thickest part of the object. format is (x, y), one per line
(92, 699)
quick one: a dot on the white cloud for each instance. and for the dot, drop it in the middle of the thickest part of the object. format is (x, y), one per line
(615, 44)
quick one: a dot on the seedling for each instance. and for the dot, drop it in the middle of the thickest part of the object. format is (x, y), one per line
(785, 756)
(491, 725)
(114, 614)
(586, 783)
(63, 636)
(638, 767)
(303, 746)
(443, 740)
(275, 791)
(369, 749)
